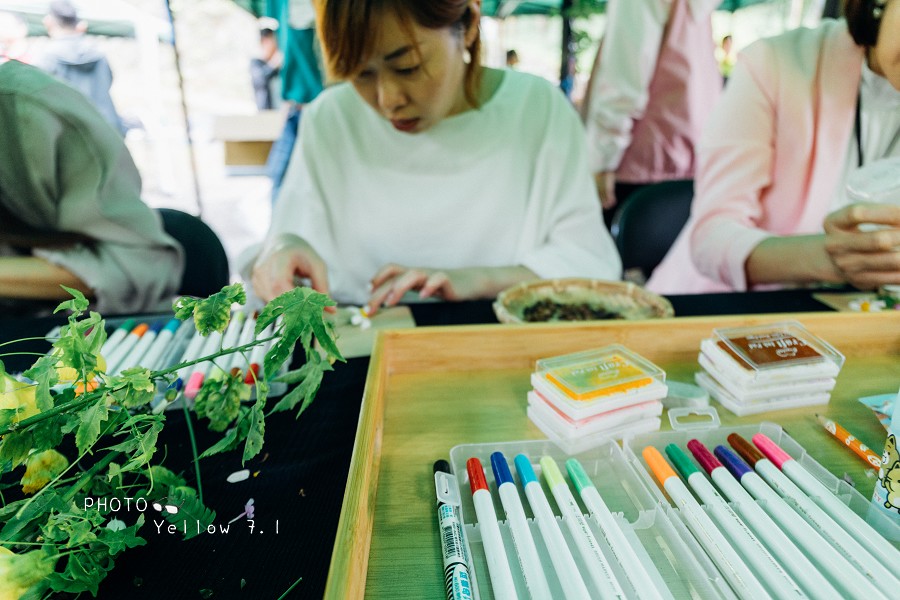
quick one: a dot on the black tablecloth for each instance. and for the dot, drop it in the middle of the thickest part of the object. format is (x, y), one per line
(298, 479)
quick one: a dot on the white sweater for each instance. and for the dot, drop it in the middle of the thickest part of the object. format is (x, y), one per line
(507, 184)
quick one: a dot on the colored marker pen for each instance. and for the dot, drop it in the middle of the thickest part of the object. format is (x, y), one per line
(453, 548)
(638, 576)
(116, 337)
(238, 358)
(195, 381)
(742, 580)
(192, 352)
(852, 550)
(873, 541)
(133, 358)
(563, 562)
(598, 567)
(770, 573)
(151, 358)
(229, 340)
(529, 562)
(258, 354)
(794, 561)
(124, 347)
(827, 559)
(494, 552)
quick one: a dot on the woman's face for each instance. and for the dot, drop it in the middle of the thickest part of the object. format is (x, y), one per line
(884, 57)
(414, 90)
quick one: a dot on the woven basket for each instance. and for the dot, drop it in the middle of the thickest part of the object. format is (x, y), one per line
(625, 299)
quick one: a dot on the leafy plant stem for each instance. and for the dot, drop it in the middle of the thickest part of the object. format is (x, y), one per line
(194, 454)
(81, 480)
(25, 339)
(72, 405)
(290, 589)
(211, 357)
(89, 474)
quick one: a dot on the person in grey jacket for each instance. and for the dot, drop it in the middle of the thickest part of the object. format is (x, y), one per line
(72, 57)
(70, 204)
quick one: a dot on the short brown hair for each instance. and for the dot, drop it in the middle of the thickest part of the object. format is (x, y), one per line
(862, 20)
(347, 30)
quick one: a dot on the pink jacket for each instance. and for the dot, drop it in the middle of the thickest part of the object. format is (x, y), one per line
(770, 158)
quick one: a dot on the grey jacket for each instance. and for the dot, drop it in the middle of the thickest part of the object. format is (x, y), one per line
(63, 169)
(78, 62)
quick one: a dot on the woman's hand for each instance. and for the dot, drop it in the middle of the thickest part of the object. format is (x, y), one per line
(278, 268)
(392, 281)
(866, 256)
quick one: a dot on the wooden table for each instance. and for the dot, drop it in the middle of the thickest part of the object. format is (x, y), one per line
(429, 389)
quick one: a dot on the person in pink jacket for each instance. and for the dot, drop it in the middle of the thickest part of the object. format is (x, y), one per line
(801, 111)
(654, 80)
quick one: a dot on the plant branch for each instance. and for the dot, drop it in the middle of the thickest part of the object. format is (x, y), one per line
(194, 454)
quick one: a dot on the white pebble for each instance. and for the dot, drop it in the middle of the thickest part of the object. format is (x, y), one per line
(238, 476)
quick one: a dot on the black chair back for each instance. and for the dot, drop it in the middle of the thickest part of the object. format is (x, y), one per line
(649, 221)
(205, 261)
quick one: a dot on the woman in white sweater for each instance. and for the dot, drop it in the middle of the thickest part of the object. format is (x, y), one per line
(424, 172)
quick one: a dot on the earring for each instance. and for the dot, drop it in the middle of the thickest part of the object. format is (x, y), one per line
(467, 56)
(878, 9)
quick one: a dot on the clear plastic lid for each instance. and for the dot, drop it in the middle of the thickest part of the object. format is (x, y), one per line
(600, 373)
(775, 346)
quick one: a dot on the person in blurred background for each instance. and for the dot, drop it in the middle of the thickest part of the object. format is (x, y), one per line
(72, 57)
(653, 83)
(301, 78)
(13, 31)
(266, 68)
(725, 56)
(800, 113)
(428, 173)
(70, 205)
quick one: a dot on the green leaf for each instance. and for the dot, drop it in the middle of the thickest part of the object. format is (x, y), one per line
(89, 429)
(18, 572)
(190, 509)
(48, 433)
(44, 374)
(15, 446)
(146, 447)
(213, 313)
(41, 468)
(31, 510)
(184, 307)
(301, 309)
(310, 378)
(83, 572)
(256, 433)
(69, 529)
(133, 387)
(219, 400)
(122, 539)
(8, 415)
(78, 304)
(163, 477)
(233, 436)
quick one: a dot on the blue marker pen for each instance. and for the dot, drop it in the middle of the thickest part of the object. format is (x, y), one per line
(529, 562)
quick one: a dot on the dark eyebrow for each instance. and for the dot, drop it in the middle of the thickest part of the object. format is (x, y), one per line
(398, 53)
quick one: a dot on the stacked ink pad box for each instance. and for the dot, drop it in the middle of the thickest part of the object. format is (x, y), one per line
(768, 367)
(584, 399)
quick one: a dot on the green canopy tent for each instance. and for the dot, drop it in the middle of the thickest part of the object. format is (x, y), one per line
(502, 9)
